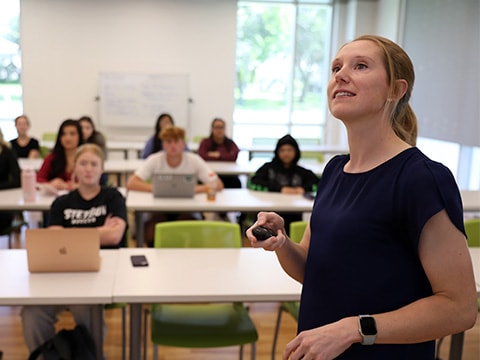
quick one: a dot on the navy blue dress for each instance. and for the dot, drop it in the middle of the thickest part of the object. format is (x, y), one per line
(365, 231)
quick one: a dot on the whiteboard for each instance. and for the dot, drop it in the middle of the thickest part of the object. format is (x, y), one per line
(136, 100)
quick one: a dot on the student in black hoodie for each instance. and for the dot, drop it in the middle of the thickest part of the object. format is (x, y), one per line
(283, 174)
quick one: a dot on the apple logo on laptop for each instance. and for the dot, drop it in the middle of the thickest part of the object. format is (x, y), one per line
(63, 250)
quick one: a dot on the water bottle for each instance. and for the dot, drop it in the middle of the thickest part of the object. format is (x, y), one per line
(212, 188)
(29, 185)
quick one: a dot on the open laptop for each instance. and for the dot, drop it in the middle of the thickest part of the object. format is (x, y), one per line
(174, 185)
(63, 250)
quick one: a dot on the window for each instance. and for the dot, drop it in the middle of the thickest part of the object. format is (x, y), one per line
(10, 67)
(281, 71)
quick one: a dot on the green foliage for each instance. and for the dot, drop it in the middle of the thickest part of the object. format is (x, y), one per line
(264, 33)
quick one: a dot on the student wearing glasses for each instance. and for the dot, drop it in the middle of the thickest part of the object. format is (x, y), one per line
(219, 147)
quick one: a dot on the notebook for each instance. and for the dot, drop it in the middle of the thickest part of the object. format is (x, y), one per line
(63, 250)
(174, 185)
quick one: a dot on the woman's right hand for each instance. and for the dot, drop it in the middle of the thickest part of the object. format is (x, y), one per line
(274, 222)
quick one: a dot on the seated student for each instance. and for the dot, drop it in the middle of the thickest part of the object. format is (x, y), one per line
(24, 146)
(9, 177)
(154, 144)
(219, 147)
(283, 174)
(57, 167)
(173, 159)
(91, 135)
(100, 207)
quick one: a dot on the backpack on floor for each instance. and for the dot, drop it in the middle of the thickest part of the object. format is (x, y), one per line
(76, 344)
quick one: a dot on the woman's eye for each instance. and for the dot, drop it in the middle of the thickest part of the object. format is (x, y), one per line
(335, 69)
(362, 66)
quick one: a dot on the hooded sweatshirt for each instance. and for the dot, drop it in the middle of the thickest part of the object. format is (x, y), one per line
(274, 175)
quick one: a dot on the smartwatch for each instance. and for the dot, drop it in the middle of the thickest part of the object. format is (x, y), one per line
(367, 329)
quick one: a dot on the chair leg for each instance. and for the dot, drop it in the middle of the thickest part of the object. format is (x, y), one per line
(254, 351)
(145, 334)
(277, 329)
(240, 352)
(437, 349)
(155, 352)
(124, 333)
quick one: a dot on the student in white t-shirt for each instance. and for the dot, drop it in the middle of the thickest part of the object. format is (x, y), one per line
(173, 159)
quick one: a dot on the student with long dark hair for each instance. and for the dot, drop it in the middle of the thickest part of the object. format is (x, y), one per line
(57, 168)
(154, 144)
(90, 133)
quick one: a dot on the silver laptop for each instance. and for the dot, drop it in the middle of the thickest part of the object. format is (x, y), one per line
(174, 185)
(63, 250)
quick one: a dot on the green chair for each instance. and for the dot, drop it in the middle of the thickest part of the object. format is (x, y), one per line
(200, 325)
(472, 228)
(44, 151)
(297, 228)
(197, 139)
(49, 136)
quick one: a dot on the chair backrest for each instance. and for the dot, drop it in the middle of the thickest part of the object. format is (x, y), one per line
(472, 228)
(197, 234)
(49, 136)
(197, 139)
(297, 228)
(44, 151)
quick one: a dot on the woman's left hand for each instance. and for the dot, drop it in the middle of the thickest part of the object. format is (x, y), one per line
(325, 342)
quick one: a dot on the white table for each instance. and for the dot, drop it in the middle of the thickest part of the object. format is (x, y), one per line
(475, 252)
(19, 287)
(198, 275)
(12, 200)
(217, 275)
(126, 167)
(125, 147)
(323, 149)
(227, 200)
(247, 168)
(471, 200)
(112, 145)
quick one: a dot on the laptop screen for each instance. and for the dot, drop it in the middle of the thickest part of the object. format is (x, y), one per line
(174, 185)
(63, 250)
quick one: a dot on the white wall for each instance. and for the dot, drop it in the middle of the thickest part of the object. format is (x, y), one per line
(442, 38)
(67, 43)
